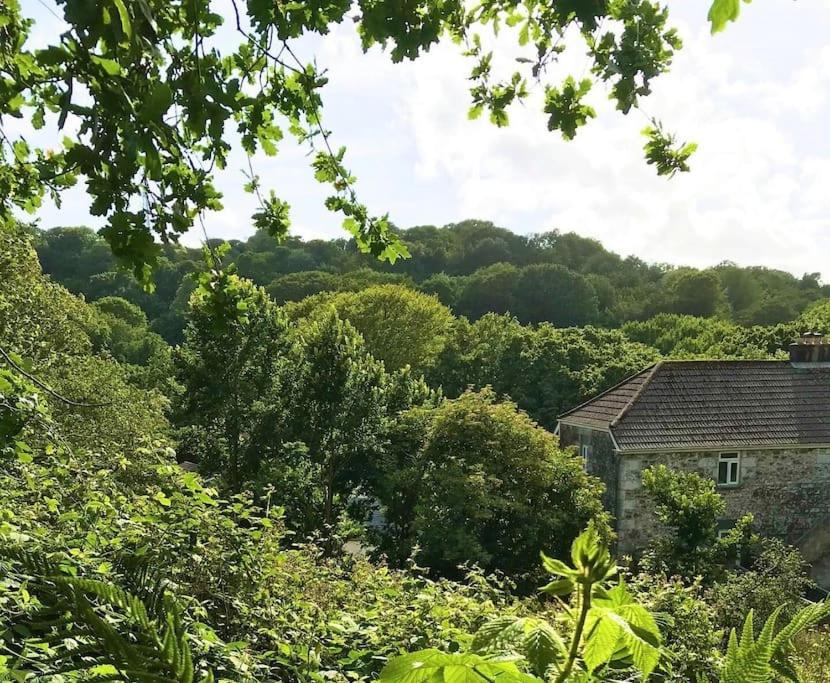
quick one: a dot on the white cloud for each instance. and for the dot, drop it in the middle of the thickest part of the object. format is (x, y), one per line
(755, 99)
(756, 194)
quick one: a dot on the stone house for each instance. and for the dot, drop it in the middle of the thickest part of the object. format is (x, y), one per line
(761, 429)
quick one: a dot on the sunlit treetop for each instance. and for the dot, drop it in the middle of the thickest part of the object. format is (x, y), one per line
(158, 97)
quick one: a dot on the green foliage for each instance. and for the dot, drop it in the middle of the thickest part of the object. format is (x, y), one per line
(336, 406)
(812, 656)
(765, 658)
(37, 317)
(567, 113)
(492, 289)
(432, 666)
(741, 571)
(160, 133)
(342, 617)
(476, 481)
(688, 507)
(399, 327)
(544, 370)
(606, 629)
(299, 411)
(722, 12)
(774, 576)
(473, 267)
(554, 293)
(816, 317)
(116, 564)
(695, 293)
(298, 286)
(691, 337)
(689, 626)
(72, 622)
(664, 152)
(121, 329)
(20, 408)
(235, 346)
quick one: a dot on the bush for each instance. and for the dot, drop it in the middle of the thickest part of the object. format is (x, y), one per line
(486, 485)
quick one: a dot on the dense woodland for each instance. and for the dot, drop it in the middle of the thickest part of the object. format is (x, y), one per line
(309, 418)
(377, 492)
(473, 267)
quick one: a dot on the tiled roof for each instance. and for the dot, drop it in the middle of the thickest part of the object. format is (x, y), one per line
(714, 404)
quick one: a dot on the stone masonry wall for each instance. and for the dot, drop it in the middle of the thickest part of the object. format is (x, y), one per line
(603, 461)
(788, 491)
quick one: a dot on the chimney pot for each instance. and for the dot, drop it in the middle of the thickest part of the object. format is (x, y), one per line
(810, 348)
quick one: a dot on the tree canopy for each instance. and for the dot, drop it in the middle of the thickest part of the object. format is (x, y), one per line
(326, 481)
(555, 277)
(155, 87)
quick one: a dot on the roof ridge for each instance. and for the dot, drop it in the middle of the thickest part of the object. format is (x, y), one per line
(624, 411)
(725, 360)
(623, 381)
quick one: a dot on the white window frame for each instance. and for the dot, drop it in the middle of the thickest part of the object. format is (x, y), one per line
(585, 451)
(733, 469)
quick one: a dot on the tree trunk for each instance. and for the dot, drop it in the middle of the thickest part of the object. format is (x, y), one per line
(328, 506)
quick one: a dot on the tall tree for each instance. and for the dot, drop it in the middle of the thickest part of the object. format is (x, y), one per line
(545, 370)
(555, 294)
(399, 326)
(694, 292)
(493, 289)
(486, 485)
(236, 345)
(336, 408)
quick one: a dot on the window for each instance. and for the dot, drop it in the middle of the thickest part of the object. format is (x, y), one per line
(729, 469)
(725, 527)
(585, 452)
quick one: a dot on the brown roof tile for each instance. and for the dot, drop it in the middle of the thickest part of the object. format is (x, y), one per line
(713, 404)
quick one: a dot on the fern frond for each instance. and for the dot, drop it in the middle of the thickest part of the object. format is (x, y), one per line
(806, 618)
(109, 628)
(751, 660)
(110, 593)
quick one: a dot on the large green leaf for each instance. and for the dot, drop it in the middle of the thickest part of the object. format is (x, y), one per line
(722, 12)
(433, 666)
(502, 634)
(534, 639)
(618, 627)
(110, 66)
(157, 102)
(542, 646)
(603, 632)
(124, 17)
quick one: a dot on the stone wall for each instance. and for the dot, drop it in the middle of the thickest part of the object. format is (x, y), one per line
(788, 491)
(603, 460)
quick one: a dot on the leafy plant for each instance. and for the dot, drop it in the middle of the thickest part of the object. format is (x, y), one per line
(432, 666)
(763, 658)
(601, 633)
(93, 627)
(606, 630)
(474, 480)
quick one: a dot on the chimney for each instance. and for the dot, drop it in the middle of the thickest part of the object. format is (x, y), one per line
(810, 348)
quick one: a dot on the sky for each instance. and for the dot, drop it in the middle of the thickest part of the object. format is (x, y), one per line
(756, 99)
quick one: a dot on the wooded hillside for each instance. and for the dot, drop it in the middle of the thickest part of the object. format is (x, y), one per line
(473, 267)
